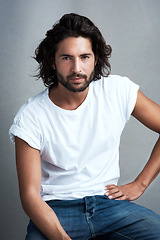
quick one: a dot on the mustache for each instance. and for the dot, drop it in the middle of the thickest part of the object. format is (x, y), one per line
(79, 75)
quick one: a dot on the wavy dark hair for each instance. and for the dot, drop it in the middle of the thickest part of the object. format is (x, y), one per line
(71, 25)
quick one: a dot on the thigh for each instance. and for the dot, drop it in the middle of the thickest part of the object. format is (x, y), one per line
(143, 224)
(126, 219)
(111, 236)
(33, 233)
(71, 214)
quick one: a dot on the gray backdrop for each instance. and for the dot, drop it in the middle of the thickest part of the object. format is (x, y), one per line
(132, 28)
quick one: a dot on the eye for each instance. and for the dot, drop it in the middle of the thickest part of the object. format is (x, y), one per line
(66, 58)
(85, 57)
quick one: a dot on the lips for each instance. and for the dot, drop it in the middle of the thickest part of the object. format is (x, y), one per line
(77, 80)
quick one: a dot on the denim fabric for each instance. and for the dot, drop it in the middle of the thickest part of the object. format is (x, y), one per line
(100, 218)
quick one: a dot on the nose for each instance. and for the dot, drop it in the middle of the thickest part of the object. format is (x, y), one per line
(76, 66)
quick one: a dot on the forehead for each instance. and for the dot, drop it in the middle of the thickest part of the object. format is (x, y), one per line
(74, 46)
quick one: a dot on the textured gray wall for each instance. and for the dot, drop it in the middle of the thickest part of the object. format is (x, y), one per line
(130, 27)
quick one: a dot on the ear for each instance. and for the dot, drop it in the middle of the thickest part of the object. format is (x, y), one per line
(53, 63)
(96, 60)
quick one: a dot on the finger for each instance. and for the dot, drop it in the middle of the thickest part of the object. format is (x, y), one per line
(108, 187)
(114, 195)
(113, 190)
(121, 198)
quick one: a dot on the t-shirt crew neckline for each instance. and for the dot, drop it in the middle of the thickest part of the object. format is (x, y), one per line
(59, 109)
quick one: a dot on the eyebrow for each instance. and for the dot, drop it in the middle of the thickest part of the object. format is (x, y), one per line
(68, 55)
(65, 55)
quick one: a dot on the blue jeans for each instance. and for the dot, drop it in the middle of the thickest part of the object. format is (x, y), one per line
(98, 217)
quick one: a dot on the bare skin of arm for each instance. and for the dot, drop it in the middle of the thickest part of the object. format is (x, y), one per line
(148, 113)
(29, 176)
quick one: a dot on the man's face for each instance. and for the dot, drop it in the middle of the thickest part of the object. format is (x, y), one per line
(74, 63)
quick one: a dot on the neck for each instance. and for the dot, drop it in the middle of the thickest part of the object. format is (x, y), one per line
(66, 99)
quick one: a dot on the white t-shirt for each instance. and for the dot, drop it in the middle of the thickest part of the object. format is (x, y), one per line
(79, 148)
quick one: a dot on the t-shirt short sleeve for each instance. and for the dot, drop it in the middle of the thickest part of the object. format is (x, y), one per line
(130, 96)
(25, 126)
(122, 95)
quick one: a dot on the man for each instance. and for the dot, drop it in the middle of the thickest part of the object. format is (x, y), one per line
(67, 142)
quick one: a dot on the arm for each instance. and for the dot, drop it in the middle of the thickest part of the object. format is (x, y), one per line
(29, 177)
(148, 113)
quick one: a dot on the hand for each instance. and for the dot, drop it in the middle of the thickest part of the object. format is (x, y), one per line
(130, 191)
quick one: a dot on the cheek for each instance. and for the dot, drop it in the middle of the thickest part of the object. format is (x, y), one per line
(89, 68)
(63, 69)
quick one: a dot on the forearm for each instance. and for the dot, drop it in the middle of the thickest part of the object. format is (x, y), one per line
(43, 217)
(151, 169)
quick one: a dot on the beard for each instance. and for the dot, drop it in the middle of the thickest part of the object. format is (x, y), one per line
(71, 86)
